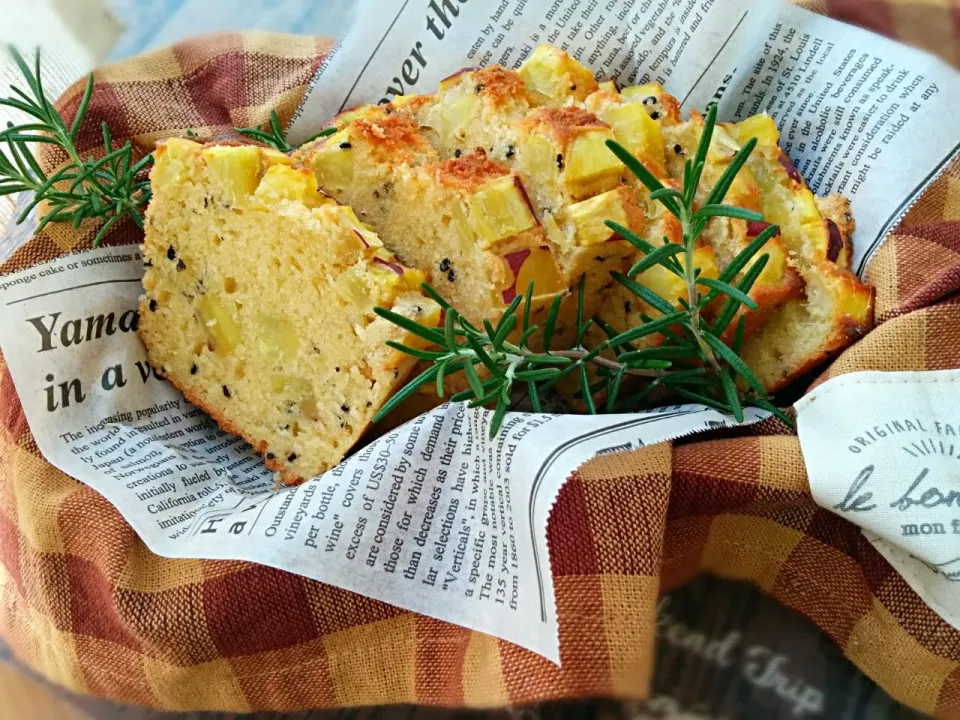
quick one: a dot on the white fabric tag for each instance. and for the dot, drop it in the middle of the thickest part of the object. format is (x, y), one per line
(882, 450)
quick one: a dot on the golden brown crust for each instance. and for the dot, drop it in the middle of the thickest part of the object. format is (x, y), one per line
(467, 172)
(566, 123)
(670, 107)
(500, 86)
(673, 228)
(390, 137)
(229, 143)
(636, 216)
(602, 98)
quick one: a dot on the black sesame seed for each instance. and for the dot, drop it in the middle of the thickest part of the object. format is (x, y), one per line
(194, 369)
(451, 276)
(342, 425)
(376, 194)
(270, 456)
(345, 146)
(560, 161)
(573, 87)
(511, 151)
(479, 88)
(206, 201)
(337, 368)
(148, 263)
(171, 253)
(418, 309)
(444, 265)
(388, 110)
(181, 265)
(654, 115)
(291, 457)
(345, 408)
(226, 391)
(652, 100)
(678, 149)
(369, 403)
(627, 306)
(458, 152)
(153, 305)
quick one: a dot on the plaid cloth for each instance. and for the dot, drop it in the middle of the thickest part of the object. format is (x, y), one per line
(87, 605)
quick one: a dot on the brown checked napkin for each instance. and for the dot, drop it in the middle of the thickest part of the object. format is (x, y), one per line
(84, 603)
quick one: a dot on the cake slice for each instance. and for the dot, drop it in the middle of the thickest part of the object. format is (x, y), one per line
(836, 308)
(835, 312)
(258, 303)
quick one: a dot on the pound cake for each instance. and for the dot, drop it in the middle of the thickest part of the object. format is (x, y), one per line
(258, 303)
(504, 176)
(263, 269)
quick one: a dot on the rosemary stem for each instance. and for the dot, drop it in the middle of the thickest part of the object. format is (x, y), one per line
(689, 276)
(580, 354)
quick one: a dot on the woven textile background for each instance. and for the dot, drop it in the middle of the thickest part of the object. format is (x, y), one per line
(84, 603)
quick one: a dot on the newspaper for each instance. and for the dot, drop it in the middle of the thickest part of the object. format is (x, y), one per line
(435, 517)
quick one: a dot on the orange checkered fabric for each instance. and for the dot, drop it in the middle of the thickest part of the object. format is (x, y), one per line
(84, 603)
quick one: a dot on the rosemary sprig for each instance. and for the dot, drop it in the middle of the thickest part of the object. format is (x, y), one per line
(105, 187)
(273, 135)
(693, 362)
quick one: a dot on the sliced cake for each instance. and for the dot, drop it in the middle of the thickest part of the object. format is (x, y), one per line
(504, 176)
(836, 308)
(258, 303)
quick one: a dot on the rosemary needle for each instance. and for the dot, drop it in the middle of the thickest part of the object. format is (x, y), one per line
(273, 135)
